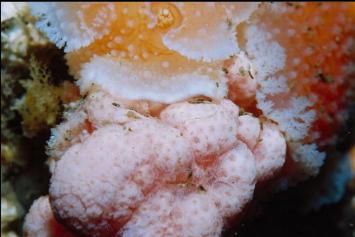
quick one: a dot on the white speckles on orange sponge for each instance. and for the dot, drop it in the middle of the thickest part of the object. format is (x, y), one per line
(292, 113)
(267, 56)
(176, 27)
(157, 147)
(211, 37)
(74, 25)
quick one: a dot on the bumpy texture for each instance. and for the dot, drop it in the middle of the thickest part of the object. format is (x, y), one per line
(191, 152)
(168, 213)
(135, 160)
(171, 140)
(41, 222)
(210, 128)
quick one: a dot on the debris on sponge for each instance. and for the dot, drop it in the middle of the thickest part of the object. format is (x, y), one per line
(231, 117)
(188, 111)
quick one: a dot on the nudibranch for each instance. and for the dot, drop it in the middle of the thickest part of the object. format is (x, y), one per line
(189, 109)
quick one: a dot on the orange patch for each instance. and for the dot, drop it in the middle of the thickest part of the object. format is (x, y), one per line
(316, 38)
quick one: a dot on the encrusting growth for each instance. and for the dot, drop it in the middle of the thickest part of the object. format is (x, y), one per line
(187, 108)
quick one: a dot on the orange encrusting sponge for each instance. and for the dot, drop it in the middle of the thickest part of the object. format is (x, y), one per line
(317, 38)
(135, 35)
